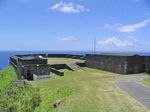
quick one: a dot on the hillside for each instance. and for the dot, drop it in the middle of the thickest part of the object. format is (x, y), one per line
(6, 76)
(16, 98)
(87, 91)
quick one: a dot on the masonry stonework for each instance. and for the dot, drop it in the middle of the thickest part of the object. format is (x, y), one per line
(122, 64)
(32, 66)
(27, 66)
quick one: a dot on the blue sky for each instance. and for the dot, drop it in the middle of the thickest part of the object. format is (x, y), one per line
(72, 25)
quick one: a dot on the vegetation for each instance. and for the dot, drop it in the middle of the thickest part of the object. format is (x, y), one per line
(19, 98)
(147, 81)
(6, 76)
(16, 98)
(88, 91)
(62, 60)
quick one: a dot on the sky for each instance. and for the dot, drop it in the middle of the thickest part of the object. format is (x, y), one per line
(74, 25)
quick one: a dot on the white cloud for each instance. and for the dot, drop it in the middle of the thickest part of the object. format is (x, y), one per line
(68, 7)
(66, 38)
(128, 28)
(114, 41)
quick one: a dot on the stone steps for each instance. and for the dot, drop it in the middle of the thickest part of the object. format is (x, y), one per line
(74, 67)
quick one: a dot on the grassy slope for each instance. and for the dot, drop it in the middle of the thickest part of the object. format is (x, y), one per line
(88, 91)
(8, 75)
(62, 60)
(16, 98)
(147, 81)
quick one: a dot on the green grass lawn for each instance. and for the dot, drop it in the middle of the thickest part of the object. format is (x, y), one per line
(88, 91)
(8, 75)
(62, 60)
(147, 81)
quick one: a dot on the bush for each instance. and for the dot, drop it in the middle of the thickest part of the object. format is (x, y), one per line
(19, 98)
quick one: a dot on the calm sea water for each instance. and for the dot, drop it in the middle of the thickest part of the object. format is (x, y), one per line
(4, 55)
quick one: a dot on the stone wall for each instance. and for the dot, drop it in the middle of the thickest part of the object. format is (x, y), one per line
(117, 64)
(42, 69)
(57, 72)
(25, 64)
(14, 61)
(33, 64)
(32, 61)
(64, 66)
(135, 64)
(56, 55)
(67, 56)
(107, 63)
(147, 64)
(58, 66)
(81, 64)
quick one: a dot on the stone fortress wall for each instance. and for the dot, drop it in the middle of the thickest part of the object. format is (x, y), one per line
(119, 63)
(35, 64)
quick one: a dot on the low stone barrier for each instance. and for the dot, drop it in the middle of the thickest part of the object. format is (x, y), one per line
(64, 66)
(82, 57)
(57, 55)
(81, 64)
(39, 77)
(58, 66)
(20, 82)
(57, 72)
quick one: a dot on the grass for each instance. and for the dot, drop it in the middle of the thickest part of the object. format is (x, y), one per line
(19, 98)
(63, 60)
(16, 98)
(8, 75)
(146, 81)
(88, 91)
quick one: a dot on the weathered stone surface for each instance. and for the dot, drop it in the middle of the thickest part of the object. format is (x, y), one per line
(122, 64)
(57, 72)
(26, 66)
(20, 82)
(74, 67)
(56, 103)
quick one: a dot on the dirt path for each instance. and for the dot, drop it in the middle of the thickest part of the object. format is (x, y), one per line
(134, 88)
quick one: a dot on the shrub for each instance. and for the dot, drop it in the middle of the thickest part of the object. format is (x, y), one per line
(19, 98)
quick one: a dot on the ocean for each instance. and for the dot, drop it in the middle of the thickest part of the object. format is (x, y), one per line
(4, 55)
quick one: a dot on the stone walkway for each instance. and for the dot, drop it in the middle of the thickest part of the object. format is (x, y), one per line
(134, 88)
